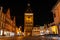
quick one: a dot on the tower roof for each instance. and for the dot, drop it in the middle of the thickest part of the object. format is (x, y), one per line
(29, 10)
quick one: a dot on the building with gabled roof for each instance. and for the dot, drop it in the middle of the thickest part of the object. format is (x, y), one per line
(56, 12)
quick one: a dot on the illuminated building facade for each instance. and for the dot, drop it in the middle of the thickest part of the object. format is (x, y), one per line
(9, 23)
(56, 12)
(6, 23)
(39, 30)
(54, 29)
(36, 31)
(28, 21)
(2, 20)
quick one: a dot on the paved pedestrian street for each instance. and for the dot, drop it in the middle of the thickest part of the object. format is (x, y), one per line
(29, 38)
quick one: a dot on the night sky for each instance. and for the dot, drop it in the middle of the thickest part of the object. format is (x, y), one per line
(41, 9)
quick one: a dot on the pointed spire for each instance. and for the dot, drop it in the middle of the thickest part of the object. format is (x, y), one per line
(1, 8)
(28, 4)
(8, 13)
(28, 8)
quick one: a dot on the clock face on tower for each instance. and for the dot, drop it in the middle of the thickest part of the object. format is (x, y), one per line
(28, 19)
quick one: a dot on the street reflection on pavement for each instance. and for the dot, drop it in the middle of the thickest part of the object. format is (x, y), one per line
(29, 38)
